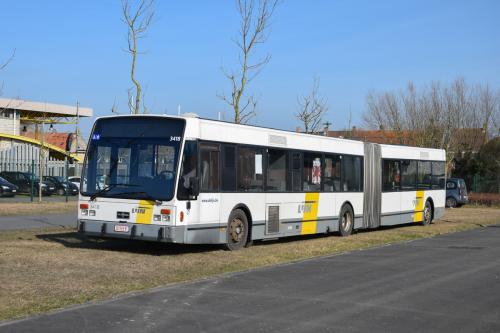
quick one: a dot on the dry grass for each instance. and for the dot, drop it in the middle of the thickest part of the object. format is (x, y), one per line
(48, 269)
(33, 208)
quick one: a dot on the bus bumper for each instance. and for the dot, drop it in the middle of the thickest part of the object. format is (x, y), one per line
(147, 232)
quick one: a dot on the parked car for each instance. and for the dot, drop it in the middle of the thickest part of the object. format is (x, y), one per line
(61, 185)
(7, 189)
(456, 192)
(23, 181)
(75, 180)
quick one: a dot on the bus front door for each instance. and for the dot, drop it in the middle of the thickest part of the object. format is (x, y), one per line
(209, 198)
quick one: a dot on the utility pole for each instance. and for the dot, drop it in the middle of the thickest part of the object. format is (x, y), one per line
(41, 160)
(325, 129)
(77, 130)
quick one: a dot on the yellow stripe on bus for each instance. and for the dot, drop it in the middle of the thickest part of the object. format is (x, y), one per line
(145, 212)
(419, 207)
(309, 220)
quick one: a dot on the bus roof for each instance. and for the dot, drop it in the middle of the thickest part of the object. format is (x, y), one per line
(224, 131)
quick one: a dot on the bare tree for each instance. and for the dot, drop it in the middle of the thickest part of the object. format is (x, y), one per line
(255, 19)
(495, 118)
(4, 64)
(457, 117)
(9, 59)
(312, 108)
(138, 21)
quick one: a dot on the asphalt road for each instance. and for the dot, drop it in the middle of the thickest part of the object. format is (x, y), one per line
(444, 284)
(17, 222)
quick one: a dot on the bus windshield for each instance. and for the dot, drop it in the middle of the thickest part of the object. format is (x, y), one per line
(133, 158)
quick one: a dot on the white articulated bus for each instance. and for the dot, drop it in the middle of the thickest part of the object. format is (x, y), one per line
(192, 180)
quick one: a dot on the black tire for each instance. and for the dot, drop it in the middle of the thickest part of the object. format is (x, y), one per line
(427, 213)
(346, 221)
(451, 202)
(60, 191)
(237, 231)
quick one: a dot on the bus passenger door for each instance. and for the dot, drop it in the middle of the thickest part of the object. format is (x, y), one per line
(391, 192)
(411, 199)
(209, 197)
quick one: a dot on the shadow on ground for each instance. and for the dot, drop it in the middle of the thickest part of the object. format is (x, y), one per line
(76, 240)
(79, 241)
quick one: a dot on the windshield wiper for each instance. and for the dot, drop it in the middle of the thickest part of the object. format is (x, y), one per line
(110, 187)
(146, 194)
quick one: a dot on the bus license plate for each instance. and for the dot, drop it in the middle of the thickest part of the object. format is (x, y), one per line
(121, 228)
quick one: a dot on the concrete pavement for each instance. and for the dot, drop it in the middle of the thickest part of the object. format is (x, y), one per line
(444, 284)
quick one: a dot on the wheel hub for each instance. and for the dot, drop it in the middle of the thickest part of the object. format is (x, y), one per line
(236, 230)
(346, 221)
(427, 214)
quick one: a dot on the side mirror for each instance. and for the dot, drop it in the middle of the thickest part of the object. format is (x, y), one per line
(194, 186)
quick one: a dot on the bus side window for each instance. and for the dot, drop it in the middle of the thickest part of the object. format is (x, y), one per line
(351, 174)
(312, 172)
(408, 175)
(331, 178)
(294, 182)
(424, 174)
(228, 179)
(276, 170)
(250, 169)
(188, 170)
(438, 175)
(209, 166)
(391, 174)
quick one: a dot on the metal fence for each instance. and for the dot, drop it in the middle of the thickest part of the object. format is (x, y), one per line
(26, 158)
(481, 184)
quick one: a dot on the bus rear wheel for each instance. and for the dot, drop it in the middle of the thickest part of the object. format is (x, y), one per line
(346, 221)
(237, 231)
(427, 214)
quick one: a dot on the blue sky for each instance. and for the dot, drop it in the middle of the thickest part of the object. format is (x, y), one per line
(73, 50)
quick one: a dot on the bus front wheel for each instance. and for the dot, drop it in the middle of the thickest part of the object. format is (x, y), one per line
(346, 221)
(237, 230)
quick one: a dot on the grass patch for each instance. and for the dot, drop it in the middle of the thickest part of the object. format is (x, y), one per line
(33, 208)
(42, 270)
